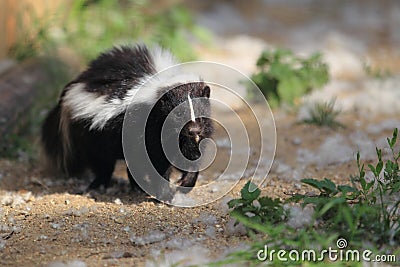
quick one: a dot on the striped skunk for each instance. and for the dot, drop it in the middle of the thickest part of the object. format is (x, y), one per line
(84, 130)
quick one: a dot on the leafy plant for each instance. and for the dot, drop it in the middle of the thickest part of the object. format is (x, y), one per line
(91, 27)
(324, 114)
(94, 26)
(284, 77)
(172, 30)
(259, 209)
(368, 209)
(365, 212)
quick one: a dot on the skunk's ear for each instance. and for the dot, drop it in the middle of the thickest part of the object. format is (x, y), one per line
(206, 91)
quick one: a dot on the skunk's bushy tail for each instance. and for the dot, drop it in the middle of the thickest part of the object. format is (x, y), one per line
(57, 147)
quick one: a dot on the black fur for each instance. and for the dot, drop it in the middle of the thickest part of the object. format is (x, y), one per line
(189, 147)
(113, 73)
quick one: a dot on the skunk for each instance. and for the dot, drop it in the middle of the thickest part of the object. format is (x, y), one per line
(84, 130)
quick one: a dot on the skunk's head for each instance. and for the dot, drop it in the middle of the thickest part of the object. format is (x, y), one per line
(195, 112)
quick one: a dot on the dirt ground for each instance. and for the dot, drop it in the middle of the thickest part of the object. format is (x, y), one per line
(45, 220)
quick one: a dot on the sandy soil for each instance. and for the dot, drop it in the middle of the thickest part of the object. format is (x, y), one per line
(47, 220)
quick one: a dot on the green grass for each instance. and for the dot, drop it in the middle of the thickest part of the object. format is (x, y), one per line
(365, 213)
(94, 26)
(284, 77)
(91, 27)
(324, 114)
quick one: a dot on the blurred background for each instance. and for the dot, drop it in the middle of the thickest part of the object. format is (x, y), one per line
(365, 28)
(341, 54)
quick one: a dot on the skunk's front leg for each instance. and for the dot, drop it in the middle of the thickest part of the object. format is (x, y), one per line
(188, 180)
(103, 170)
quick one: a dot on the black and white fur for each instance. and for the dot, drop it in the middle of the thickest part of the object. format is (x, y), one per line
(84, 130)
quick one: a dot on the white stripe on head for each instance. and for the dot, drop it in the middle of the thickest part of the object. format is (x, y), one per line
(192, 117)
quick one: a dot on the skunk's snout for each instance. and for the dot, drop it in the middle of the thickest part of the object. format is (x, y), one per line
(194, 132)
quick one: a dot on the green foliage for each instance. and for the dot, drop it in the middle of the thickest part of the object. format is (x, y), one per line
(259, 209)
(367, 212)
(324, 114)
(172, 29)
(94, 26)
(284, 77)
(91, 27)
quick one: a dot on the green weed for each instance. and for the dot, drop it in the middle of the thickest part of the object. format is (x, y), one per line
(324, 114)
(91, 27)
(94, 26)
(284, 77)
(261, 209)
(366, 213)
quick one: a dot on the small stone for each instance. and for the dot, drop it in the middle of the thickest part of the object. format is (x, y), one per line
(118, 201)
(296, 141)
(43, 237)
(55, 226)
(128, 255)
(2, 244)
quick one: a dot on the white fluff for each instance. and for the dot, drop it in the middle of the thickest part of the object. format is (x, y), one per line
(162, 58)
(86, 105)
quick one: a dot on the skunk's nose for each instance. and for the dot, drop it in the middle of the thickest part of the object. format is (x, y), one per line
(194, 132)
